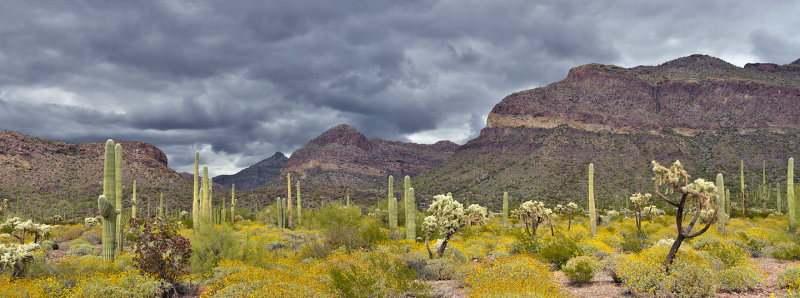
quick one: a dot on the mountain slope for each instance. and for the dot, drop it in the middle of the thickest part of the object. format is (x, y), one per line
(699, 109)
(52, 177)
(256, 175)
(345, 157)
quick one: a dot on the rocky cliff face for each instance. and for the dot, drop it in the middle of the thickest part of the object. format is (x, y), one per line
(256, 175)
(699, 109)
(344, 156)
(57, 176)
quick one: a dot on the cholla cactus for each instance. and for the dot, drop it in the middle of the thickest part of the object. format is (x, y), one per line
(16, 256)
(638, 200)
(532, 213)
(651, 211)
(19, 229)
(700, 192)
(476, 215)
(568, 210)
(447, 216)
(183, 214)
(90, 222)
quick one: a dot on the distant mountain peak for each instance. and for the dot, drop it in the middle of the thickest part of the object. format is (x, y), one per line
(698, 60)
(256, 175)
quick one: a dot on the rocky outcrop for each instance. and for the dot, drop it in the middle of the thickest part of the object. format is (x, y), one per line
(699, 109)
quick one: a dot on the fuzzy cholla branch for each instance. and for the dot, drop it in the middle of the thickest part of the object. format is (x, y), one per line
(476, 215)
(447, 216)
(16, 256)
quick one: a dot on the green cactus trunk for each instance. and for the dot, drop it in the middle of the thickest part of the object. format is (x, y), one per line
(195, 189)
(347, 199)
(222, 212)
(505, 210)
(764, 186)
(792, 208)
(411, 226)
(105, 204)
(233, 203)
(778, 197)
(728, 202)
(118, 193)
(592, 211)
(289, 214)
(299, 206)
(722, 216)
(392, 205)
(406, 186)
(133, 201)
(741, 178)
(205, 212)
(210, 198)
(161, 205)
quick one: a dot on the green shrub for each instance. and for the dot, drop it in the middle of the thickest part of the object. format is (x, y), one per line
(524, 243)
(730, 255)
(69, 235)
(209, 245)
(790, 279)
(644, 274)
(739, 279)
(49, 245)
(373, 274)
(559, 250)
(631, 242)
(580, 270)
(158, 248)
(83, 249)
(786, 251)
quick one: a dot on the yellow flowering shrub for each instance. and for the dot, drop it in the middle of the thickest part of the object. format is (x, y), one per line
(644, 274)
(520, 275)
(238, 279)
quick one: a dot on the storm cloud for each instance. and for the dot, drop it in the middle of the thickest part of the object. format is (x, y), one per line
(239, 80)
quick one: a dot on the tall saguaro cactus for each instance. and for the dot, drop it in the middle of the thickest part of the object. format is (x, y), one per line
(299, 205)
(106, 203)
(741, 178)
(161, 205)
(764, 186)
(778, 197)
(133, 201)
(505, 210)
(233, 203)
(289, 214)
(118, 193)
(392, 205)
(205, 213)
(722, 218)
(592, 211)
(411, 227)
(196, 198)
(406, 186)
(792, 208)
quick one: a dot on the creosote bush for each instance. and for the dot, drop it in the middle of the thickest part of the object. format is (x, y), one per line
(580, 270)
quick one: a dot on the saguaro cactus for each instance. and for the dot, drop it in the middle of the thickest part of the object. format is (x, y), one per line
(279, 212)
(411, 214)
(764, 186)
(233, 203)
(722, 217)
(289, 214)
(133, 201)
(392, 205)
(299, 205)
(206, 208)
(741, 178)
(778, 202)
(106, 206)
(505, 210)
(118, 193)
(196, 198)
(406, 186)
(592, 211)
(161, 205)
(210, 198)
(792, 208)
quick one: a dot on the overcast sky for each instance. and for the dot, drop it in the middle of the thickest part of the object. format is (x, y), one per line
(239, 80)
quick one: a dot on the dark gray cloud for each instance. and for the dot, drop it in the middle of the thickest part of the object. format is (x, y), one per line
(239, 80)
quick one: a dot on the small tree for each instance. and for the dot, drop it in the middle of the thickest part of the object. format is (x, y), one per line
(701, 192)
(638, 200)
(16, 257)
(447, 216)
